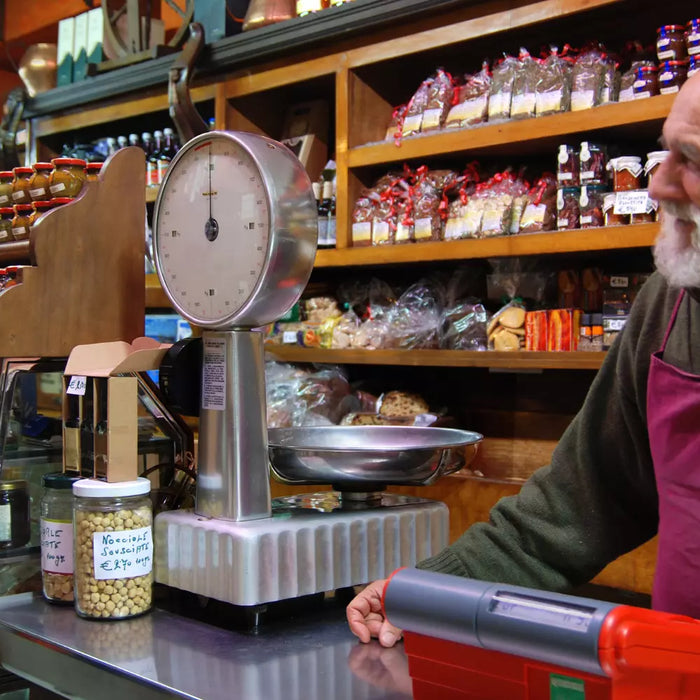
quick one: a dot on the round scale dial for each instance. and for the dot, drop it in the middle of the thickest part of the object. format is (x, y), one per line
(222, 220)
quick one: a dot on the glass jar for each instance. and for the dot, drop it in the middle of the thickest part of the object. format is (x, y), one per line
(593, 161)
(610, 217)
(670, 43)
(56, 531)
(650, 215)
(627, 171)
(654, 160)
(20, 185)
(67, 177)
(39, 182)
(693, 65)
(646, 83)
(692, 37)
(38, 208)
(591, 206)
(113, 568)
(568, 208)
(92, 171)
(6, 179)
(672, 74)
(567, 166)
(6, 216)
(14, 514)
(21, 223)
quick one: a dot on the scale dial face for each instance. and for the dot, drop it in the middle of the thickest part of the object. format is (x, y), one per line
(219, 230)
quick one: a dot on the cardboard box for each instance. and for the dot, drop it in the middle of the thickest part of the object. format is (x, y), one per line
(563, 330)
(80, 44)
(64, 51)
(100, 407)
(95, 35)
(536, 327)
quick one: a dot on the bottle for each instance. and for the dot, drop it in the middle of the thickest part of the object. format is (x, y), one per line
(322, 217)
(122, 141)
(152, 145)
(71, 433)
(327, 210)
(134, 140)
(87, 436)
(316, 187)
(167, 153)
(111, 145)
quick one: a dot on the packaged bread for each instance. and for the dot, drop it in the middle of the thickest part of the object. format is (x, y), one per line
(402, 403)
(506, 329)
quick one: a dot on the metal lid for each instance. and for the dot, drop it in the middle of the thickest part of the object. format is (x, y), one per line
(43, 166)
(14, 485)
(69, 161)
(22, 170)
(94, 488)
(59, 480)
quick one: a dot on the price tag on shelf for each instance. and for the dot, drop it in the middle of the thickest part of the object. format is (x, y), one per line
(77, 385)
(633, 202)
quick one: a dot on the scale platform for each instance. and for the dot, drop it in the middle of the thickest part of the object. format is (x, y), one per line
(313, 543)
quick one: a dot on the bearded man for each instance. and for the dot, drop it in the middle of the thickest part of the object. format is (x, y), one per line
(628, 466)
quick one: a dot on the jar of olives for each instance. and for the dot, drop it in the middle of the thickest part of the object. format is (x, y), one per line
(113, 548)
(68, 177)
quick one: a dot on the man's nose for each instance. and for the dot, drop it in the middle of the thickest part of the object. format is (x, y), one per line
(666, 183)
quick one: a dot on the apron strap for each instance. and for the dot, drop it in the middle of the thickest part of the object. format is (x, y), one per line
(673, 319)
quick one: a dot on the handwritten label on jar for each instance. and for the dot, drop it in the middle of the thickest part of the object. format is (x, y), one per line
(77, 385)
(56, 546)
(632, 202)
(214, 375)
(123, 553)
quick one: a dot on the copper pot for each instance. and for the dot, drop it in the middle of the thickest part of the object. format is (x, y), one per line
(38, 68)
(263, 12)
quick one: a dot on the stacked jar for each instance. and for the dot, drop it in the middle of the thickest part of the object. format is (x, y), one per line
(672, 52)
(113, 548)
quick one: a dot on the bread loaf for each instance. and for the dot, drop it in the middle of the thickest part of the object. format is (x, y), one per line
(401, 403)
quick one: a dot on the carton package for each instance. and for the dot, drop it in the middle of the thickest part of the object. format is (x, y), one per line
(80, 46)
(563, 329)
(64, 51)
(100, 407)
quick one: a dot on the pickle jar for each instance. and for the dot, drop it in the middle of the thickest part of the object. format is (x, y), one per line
(113, 524)
(39, 182)
(611, 218)
(67, 177)
(646, 82)
(591, 206)
(6, 179)
(6, 216)
(670, 43)
(20, 185)
(14, 514)
(56, 537)
(672, 74)
(627, 171)
(38, 208)
(568, 208)
(92, 171)
(21, 222)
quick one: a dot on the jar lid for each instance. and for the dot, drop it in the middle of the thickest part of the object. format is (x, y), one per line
(94, 488)
(42, 204)
(6, 173)
(14, 485)
(671, 28)
(59, 480)
(12, 268)
(55, 201)
(7, 210)
(22, 170)
(669, 64)
(693, 23)
(21, 208)
(43, 166)
(569, 190)
(94, 166)
(69, 161)
(648, 69)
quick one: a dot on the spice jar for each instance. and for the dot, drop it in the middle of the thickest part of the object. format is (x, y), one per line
(610, 217)
(38, 208)
(56, 536)
(648, 216)
(6, 216)
(626, 173)
(670, 43)
(654, 160)
(591, 206)
(92, 171)
(68, 177)
(567, 166)
(14, 514)
(20, 185)
(21, 223)
(568, 208)
(692, 37)
(646, 83)
(113, 548)
(39, 182)
(592, 164)
(693, 66)
(6, 179)
(672, 74)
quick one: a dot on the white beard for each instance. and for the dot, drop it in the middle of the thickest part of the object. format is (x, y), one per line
(677, 254)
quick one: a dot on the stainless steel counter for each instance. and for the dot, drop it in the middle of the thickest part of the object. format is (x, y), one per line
(309, 656)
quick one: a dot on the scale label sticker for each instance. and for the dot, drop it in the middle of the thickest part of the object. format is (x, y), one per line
(566, 688)
(77, 385)
(214, 374)
(122, 553)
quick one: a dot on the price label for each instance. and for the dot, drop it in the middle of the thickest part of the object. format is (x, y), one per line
(614, 324)
(77, 385)
(634, 202)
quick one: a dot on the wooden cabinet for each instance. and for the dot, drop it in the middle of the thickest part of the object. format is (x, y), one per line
(516, 399)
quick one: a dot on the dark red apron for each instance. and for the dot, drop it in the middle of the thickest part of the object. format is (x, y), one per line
(673, 417)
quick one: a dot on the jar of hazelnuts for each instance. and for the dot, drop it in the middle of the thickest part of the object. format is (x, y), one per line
(113, 525)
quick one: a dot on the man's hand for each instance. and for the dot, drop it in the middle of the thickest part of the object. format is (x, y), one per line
(366, 619)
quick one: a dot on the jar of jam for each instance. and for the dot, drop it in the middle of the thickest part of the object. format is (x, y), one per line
(21, 223)
(39, 208)
(646, 83)
(67, 177)
(92, 171)
(14, 514)
(568, 208)
(20, 185)
(654, 160)
(6, 216)
(591, 206)
(670, 43)
(627, 171)
(60, 201)
(567, 166)
(592, 164)
(648, 216)
(6, 179)
(693, 67)
(609, 215)
(39, 182)
(672, 74)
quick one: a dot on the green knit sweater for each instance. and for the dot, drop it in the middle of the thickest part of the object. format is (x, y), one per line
(597, 499)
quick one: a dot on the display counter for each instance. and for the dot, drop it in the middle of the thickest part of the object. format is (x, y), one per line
(310, 654)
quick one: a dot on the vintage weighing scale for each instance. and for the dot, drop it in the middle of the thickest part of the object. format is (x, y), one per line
(474, 640)
(235, 231)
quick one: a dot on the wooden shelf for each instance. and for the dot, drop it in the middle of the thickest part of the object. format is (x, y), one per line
(612, 238)
(441, 358)
(517, 136)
